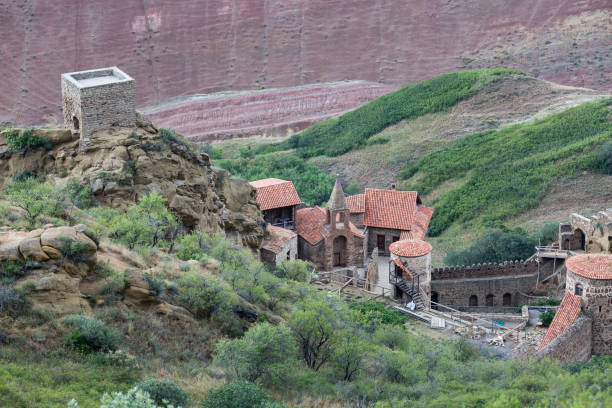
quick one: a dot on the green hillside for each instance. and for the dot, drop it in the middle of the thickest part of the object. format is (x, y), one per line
(336, 136)
(505, 172)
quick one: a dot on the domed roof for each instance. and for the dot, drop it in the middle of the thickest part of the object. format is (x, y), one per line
(410, 248)
(592, 266)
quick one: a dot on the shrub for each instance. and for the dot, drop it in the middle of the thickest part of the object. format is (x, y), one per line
(170, 136)
(548, 233)
(26, 140)
(378, 139)
(494, 246)
(190, 247)
(10, 271)
(79, 195)
(265, 353)
(297, 270)
(165, 393)
(352, 189)
(547, 317)
(35, 198)
(603, 159)
(372, 314)
(75, 251)
(239, 394)
(156, 286)
(10, 301)
(91, 335)
(135, 398)
(205, 296)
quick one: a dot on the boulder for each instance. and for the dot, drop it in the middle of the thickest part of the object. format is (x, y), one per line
(30, 248)
(51, 252)
(57, 292)
(10, 252)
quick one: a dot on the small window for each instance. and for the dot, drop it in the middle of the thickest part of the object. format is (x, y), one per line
(578, 290)
(75, 123)
(380, 241)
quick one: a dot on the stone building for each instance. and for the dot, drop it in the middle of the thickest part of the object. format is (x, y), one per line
(583, 323)
(96, 99)
(593, 235)
(411, 266)
(279, 246)
(327, 237)
(278, 200)
(387, 216)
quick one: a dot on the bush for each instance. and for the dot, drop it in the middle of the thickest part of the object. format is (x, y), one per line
(547, 317)
(352, 189)
(170, 136)
(548, 233)
(79, 195)
(297, 270)
(372, 314)
(603, 159)
(26, 140)
(165, 393)
(91, 335)
(10, 301)
(378, 139)
(239, 394)
(156, 286)
(35, 198)
(205, 296)
(75, 251)
(494, 246)
(135, 398)
(190, 247)
(10, 271)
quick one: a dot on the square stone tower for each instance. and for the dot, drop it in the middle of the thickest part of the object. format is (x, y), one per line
(96, 99)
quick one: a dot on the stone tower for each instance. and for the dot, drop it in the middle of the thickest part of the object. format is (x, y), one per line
(96, 99)
(337, 208)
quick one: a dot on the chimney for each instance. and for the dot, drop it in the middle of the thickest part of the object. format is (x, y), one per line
(393, 186)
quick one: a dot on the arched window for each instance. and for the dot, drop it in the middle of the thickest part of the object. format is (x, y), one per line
(75, 123)
(507, 299)
(489, 300)
(473, 300)
(435, 298)
(578, 290)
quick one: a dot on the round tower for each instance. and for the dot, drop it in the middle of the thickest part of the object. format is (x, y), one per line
(590, 277)
(415, 257)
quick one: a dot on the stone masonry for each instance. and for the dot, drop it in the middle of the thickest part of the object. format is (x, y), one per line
(594, 234)
(96, 99)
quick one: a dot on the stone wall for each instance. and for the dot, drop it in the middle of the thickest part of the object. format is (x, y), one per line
(597, 304)
(455, 285)
(287, 253)
(372, 236)
(597, 232)
(572, 345)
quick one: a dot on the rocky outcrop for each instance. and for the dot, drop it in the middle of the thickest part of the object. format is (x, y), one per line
(123, 164)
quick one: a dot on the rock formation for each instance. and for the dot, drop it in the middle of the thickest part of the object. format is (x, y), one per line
(123, 164)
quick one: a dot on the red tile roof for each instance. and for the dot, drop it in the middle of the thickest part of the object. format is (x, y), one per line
(410, 248)
(356, 203)
(422, 217)
(275, 193)
(566, 314)
(310, 225)
(390, 208)
(400, 265)
(278, 238)
(592, 266)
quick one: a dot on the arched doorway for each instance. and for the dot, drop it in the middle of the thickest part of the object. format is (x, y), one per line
(75, 123)
(473, 300)
(490, 300)
(579, 241)
(507, 299)
(435, 298)
(339, 251)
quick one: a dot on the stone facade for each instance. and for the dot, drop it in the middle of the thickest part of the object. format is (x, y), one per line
(96, 99)
(419, 266)
(593, 235)
(597, 304)
(373, 234)
(572, 345)
(288, 252)
(493, 285)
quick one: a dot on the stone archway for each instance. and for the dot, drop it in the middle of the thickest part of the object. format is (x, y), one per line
(435, 298)
(507, 299)
(473, 300)
(75, 123)
(578, 240)
(339, 251)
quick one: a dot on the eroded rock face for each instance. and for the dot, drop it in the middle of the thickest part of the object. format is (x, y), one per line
(123, 164)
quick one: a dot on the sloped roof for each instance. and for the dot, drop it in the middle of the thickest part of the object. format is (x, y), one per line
(566, 315)
(356, 203)
(390, 208)
(592, 266)
(420, 224)
(275, 193)
(310, 225)
(336, 199)
(401, 265)
(278, 238)
(410, 248)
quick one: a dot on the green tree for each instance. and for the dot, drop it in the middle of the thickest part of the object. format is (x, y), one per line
(239, 394)
(314, 325)
(205, 296)
(297, 270)
(350, 354)
(34, 198)
(265, 353)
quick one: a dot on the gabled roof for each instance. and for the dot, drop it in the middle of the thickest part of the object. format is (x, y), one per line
(566, 315)
(336, 199)
(275, 193)
(390, 208)
(278, 238)
(420, 224)
(356, 203)
(311, 225)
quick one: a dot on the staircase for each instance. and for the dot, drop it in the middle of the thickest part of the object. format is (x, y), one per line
(414, 294)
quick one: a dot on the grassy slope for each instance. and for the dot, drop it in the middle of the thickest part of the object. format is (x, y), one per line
(508, 171)
(350, 131)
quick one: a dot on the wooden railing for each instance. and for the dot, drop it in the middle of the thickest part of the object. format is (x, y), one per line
(356, 282)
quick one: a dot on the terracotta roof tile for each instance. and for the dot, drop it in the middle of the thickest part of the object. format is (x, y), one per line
(310, 225)
(566, 314)
(275, 193)
(400, 265)
(592, 266)
(278, 238)
(390, 208)
(356, 203)
(422, 217)
(410, 248)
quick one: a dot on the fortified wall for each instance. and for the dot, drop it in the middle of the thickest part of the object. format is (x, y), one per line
(493, 285)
